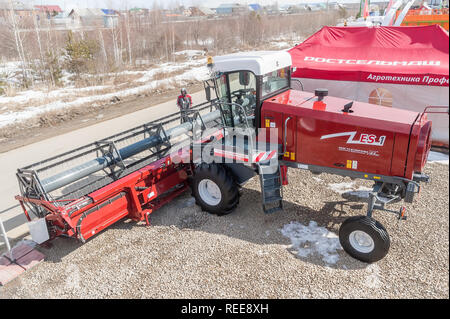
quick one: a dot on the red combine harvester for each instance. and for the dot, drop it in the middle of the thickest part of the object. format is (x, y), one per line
(257, 125)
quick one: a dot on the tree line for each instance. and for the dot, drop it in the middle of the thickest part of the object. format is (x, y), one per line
(45, 51)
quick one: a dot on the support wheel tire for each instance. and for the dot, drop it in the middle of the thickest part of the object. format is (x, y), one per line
(364, 238)
(214, 189)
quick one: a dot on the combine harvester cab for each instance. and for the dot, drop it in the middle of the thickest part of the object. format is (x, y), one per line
(257, 125)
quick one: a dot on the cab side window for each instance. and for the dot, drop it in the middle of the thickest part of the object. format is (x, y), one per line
(275, 81)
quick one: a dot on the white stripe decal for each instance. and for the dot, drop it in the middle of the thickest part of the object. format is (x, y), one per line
(365, 139)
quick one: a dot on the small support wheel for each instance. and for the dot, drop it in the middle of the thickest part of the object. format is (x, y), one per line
(364, 238)
(214, 189)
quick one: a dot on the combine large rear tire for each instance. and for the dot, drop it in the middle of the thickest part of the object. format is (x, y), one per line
(214, 189)
(364, 238)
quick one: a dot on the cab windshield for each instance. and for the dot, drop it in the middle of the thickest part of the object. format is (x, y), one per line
(238, 97)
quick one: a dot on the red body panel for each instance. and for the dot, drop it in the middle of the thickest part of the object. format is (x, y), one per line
(372, 139)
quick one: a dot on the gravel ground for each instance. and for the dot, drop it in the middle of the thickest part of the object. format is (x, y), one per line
(188, 253)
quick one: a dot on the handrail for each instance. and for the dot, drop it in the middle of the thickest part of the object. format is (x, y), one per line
(285, 135)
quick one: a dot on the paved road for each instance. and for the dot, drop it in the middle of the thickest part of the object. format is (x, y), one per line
(10, 211)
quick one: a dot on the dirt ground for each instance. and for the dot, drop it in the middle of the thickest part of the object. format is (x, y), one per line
(63, 121)
(187, 253)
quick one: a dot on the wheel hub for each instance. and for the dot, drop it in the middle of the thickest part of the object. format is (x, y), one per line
(209, 192)
(361, 241)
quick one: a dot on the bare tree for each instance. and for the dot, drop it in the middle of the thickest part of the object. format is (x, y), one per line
(153, 36)
(19, 42)
(102, 46)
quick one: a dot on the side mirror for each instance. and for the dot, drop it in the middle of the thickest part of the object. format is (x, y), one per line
(244, 78)
(208, 93)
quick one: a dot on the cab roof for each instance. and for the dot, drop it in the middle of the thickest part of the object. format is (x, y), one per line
(258, 62)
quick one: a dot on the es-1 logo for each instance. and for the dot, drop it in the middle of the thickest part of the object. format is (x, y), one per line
(366, 139)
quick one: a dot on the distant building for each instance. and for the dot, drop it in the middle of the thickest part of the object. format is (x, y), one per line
(48, 11)
(292, 8)
(231, 9)
(62, 19)
(83, 17)
(255, 7)
(201, 12)
(315, 6)
(271, 9)
(21, 9)
(110, 18)
(139, 10)
(180, 10)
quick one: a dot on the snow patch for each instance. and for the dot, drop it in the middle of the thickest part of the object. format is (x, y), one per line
(349, 188)
(313, 239)
(437, 157)
(194, 74)
(281, 44)
(190, 53)
(341, 188)
(26, 96)
(172, 67)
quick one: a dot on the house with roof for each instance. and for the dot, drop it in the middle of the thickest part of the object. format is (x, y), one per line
(21, 9)
(201, 12)
(83, 17)
(271, 9)
(47, 11)
(139, 11)
(231, 9)
(255, 7)
(62, 20)
(110, 18)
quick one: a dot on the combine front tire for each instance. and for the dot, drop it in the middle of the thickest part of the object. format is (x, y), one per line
(214, 189)
(364, 238)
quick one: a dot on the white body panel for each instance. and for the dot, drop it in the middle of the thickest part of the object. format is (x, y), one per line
(258, 62)
(38, 230)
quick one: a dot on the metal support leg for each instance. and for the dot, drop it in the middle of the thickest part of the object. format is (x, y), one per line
(5, 236)
(371, 204)
(147, 220)
(378, 201)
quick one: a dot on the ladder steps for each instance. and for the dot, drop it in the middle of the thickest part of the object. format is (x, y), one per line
(272, 210)
(276, 179)
(271, 183)
(271, 188)
(273, 199)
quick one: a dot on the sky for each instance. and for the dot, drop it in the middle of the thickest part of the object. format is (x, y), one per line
(124, 4)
